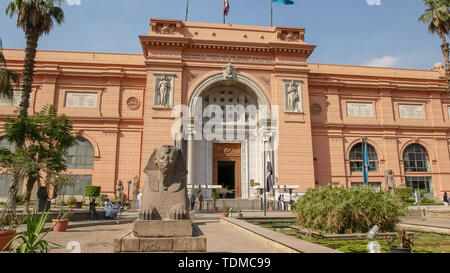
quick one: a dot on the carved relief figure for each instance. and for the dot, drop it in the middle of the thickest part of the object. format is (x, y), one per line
(164, 195)
(163, 89)
(228, 72)
(119, 190)
(293, 97)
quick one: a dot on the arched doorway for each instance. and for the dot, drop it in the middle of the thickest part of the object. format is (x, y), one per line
(230, 150)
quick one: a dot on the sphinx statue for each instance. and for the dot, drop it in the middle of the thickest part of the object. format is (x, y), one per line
(164, 196)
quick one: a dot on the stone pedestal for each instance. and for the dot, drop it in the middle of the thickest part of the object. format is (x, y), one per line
(162, 236)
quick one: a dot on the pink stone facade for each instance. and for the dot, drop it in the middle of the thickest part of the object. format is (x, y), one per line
(124, 126)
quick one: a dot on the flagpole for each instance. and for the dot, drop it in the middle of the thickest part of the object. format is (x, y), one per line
(187, 10)
(271, 13)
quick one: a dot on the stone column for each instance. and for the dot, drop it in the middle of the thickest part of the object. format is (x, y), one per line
(190, 161)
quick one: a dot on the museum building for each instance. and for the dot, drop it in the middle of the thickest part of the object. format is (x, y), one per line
(312, 116)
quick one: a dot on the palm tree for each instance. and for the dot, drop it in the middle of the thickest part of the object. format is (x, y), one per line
(437, 17)
(7, 78)
(35, 18)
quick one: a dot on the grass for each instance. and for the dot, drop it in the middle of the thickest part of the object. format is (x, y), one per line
(423, 242)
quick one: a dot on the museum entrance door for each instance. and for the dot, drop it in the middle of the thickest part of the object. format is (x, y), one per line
(227, 167)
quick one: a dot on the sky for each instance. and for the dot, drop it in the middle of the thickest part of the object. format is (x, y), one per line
(382, 33)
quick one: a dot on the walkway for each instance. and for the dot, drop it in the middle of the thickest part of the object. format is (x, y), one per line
(439, 222)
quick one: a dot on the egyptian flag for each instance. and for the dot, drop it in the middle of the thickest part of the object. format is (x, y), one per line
(269, 183)
(226, 7)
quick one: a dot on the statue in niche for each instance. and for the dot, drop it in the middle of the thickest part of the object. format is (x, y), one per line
(293, 97)
(163, 89)
(164, 196)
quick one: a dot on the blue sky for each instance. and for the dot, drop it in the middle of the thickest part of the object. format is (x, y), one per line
(350, 32)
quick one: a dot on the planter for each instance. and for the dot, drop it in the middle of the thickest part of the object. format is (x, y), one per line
(224, 214)
(5, 237)
(214, 208)
(61, 226)
(401, 250)
(270, 208)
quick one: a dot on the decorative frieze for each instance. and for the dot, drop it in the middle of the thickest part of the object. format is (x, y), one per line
(291, 34)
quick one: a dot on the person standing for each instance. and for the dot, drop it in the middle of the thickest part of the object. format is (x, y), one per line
(417, 197)
(445, 199)
(138, 200)
(192, 201)
(282, 201)
(92, 209)
(200, 202)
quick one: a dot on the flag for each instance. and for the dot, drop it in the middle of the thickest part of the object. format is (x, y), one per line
(226, 7)
(366, 164)
(283, 2)
(269, 183)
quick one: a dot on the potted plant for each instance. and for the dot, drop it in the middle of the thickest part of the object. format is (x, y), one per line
(8, 225)
(271, 205)
(224, 211)
(60, 182)
(404, 242)
(215, 197)
(30, 240)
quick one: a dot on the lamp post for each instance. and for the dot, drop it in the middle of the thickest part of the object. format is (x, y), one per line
(128, 195)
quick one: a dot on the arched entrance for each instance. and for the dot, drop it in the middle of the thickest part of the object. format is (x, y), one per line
(228, 115)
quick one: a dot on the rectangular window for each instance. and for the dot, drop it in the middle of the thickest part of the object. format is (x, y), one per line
(410, 111)
(356, 166)
(355, 109)
(420, 182)
(78, 189)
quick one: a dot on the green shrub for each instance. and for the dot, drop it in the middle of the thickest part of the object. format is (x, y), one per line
(20, 199)
(405, 195)
(339, 210)
(92, 191)
(71, 200)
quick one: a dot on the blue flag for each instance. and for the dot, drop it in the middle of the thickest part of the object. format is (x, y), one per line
(284, 2)
(366, 165)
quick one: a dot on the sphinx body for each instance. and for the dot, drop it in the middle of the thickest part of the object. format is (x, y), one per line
(164, 196)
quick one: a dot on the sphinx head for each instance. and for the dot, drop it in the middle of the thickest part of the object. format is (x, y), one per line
(163, 159)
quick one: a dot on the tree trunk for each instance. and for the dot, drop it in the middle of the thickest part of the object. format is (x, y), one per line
(14, 186)
(28, 70)
(30, 184)
(445, 52)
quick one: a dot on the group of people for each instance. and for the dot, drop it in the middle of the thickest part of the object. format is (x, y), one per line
(111, 209)
(192, 200)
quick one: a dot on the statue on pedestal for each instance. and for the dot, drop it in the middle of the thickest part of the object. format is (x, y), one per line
(164, 195)
(119, 191)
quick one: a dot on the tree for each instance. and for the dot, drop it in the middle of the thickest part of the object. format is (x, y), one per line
(7, 78)
(437, 17)
(42, 144)
(35, 18)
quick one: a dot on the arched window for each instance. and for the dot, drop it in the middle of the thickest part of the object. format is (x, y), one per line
(415, 158)
(357, 158)
(81, 155)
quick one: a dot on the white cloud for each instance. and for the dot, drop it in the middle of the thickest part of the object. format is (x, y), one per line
(74, 2)
(374, 2)
(386, 61)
